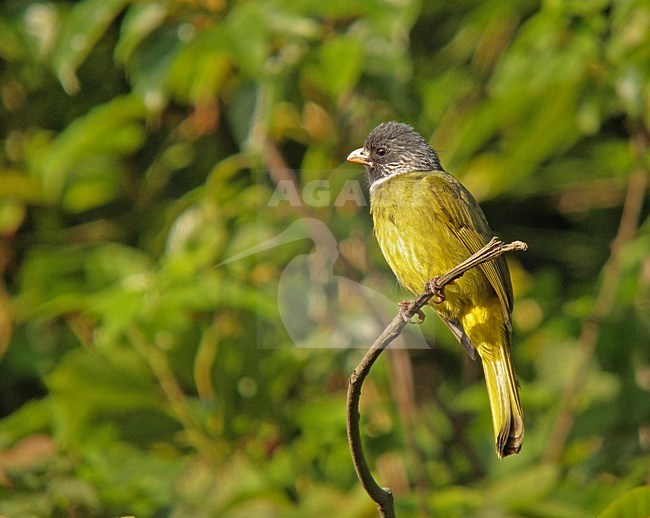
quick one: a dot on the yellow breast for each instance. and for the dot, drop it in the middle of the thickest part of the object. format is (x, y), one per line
(418, 243)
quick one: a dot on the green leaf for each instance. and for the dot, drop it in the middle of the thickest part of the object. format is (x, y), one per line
(199, 69)
(81, 30)
(110, 130)
(140, 20)
(340, 64)
(522, 489)
(633, 504)
(33, 417)
(248, 38)
(89, 386)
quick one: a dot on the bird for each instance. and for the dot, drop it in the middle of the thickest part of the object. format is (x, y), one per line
(426, 222)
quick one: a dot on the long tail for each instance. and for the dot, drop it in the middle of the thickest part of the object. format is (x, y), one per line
(507, 416)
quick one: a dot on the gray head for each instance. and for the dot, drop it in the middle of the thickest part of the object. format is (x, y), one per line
(393, 148)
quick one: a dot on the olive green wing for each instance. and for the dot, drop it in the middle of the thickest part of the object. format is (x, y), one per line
(465, 219)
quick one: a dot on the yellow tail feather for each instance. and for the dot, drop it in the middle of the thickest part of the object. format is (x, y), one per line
(507, 416)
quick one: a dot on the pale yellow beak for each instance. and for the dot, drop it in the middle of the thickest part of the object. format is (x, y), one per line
(359, 156)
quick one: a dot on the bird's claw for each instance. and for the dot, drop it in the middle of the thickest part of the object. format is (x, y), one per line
(437, 291)
(403, 312)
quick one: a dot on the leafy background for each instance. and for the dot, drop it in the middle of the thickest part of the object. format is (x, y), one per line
(141, 142)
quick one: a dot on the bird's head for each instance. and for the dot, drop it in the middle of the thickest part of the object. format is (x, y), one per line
(393, 148)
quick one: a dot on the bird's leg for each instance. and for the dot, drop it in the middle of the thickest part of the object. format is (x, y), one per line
(403, 307)
(431, 286)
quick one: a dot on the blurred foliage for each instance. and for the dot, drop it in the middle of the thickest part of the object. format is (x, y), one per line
(141, 142)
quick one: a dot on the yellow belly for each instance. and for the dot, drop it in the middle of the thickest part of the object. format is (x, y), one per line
(426, 223)
(418, 244)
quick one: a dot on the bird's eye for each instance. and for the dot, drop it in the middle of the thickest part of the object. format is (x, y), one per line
(381, 151)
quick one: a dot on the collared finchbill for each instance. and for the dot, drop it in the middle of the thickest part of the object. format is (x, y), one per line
(359, 156)
(426, 222)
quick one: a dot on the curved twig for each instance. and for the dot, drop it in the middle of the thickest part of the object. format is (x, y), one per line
(383, 497)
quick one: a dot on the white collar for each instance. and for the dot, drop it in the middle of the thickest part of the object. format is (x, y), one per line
(383, 179)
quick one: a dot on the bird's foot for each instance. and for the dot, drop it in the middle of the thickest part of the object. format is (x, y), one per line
(437, 291)
(403, 312)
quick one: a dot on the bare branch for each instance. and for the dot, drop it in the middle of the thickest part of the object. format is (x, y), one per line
(383, 496)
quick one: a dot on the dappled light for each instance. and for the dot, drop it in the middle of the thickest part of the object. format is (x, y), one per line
(190, 275)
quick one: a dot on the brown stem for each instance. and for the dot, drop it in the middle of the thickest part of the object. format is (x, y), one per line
(632, 206)
(383, 497)
(171, 389)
